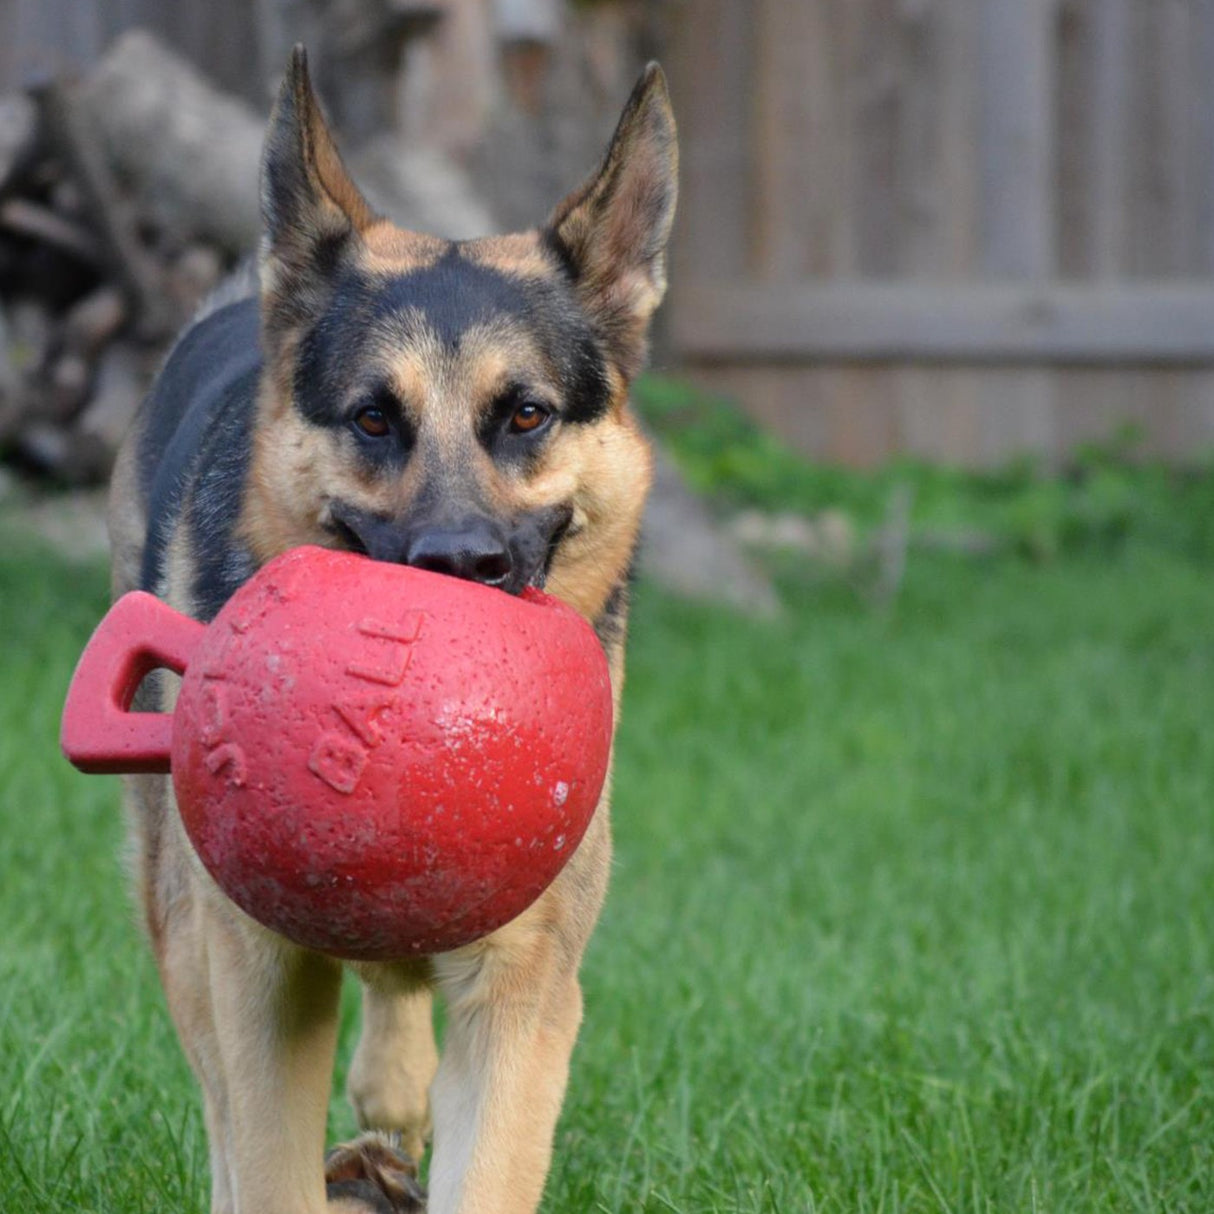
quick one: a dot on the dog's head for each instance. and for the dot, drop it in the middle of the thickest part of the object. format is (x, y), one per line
(459, 406)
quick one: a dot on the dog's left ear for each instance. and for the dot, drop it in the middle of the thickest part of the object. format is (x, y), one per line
(309, 204)
(612, 232)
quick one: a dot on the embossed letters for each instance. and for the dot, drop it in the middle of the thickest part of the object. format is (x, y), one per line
(339, 755)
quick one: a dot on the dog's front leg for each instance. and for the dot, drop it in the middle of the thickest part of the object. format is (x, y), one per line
(513, 1010)
(514, 1006)
(275, 1021)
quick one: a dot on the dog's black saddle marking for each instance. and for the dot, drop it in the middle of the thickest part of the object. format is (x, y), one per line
(193, 454)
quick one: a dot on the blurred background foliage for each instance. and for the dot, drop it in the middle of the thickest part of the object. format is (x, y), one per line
(1106, 495)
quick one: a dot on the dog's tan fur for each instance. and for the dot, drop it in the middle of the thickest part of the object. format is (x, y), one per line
(257, 1016)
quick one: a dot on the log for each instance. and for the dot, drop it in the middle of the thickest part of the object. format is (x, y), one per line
(27, 339)
(193, 276)
(18, 135)
(189, 152)
(123, 377)
(34, 222)
(93, 321)
(66, 388)
(72, 130)
(65, 455)
(8, 372)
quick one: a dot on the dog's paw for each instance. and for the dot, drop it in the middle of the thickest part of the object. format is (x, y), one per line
(371, 1175)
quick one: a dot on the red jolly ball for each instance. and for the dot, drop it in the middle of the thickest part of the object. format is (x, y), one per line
(374, 761)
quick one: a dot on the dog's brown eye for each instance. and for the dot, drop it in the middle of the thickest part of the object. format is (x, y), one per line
(528, 417)
(372, 422)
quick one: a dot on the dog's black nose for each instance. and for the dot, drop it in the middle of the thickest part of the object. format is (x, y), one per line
(476, 552)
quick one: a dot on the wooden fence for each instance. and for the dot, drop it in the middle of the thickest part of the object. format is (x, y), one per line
(958, 228)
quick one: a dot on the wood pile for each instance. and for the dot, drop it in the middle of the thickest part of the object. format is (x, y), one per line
(125, 197)
(101, 256)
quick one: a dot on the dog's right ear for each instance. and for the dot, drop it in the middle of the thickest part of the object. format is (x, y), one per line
(309, 205)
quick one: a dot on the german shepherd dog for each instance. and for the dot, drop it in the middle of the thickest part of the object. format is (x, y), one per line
(461, 407)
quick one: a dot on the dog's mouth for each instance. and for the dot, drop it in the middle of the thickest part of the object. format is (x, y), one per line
(345, 535)
(562, 529)
(529, 552)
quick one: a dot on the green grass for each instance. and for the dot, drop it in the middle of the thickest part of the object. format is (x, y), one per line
(913, 910)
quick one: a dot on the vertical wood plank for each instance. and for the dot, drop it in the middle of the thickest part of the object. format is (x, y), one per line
(1195, 416)
(859, 412)
(790, 131)
(711, 78)
(1176, 171)
(939, 414)
(780, 397)
(872, 91)
(1016, 408)
(1016, 69)
(936, 407)
(859, 402)
(1016, 65)
(1093, 166)
(1161, 196)
(937, 139)
(1107, 220)
(1157, 153)
(796, 203)
(1073, 138)
(1201, 136)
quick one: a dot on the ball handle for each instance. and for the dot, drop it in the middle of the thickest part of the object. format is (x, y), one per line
(99, 733)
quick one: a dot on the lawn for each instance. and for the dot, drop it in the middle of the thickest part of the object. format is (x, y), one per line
(913, 909)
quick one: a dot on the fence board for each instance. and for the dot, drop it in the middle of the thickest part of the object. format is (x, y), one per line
(1017, 147)
(1046, 323)
(935, 408)
(872, 86)
(1107, 220)
(1175, 85)
(802, 213)
(712, 79)
(938, 412)
(1155, 213)
(1201, 136)
(936, 144)
(1015, 56)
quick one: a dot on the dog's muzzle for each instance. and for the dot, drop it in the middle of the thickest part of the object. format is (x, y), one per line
(475, 548)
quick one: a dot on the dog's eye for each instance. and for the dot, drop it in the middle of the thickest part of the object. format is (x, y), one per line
(528, 418)
(372, 421)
